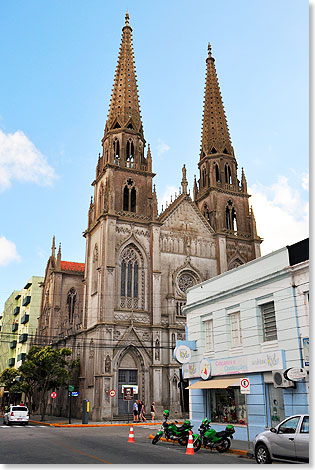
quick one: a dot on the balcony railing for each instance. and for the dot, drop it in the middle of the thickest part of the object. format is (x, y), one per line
(26, 300)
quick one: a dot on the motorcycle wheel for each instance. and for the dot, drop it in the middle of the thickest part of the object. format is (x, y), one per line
(156, 439)
(197, 445)
(183, 441)
(223, 446)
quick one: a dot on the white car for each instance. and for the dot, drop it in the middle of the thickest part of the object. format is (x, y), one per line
(16, 414)
(287, 442)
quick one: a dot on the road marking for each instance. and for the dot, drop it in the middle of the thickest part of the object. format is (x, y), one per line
(81, 452)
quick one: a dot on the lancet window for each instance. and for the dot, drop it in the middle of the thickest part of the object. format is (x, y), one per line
(129, 154)
(71, 301)
(230, 217)
(129, 197)
(131, 278)
(94, 269)
(228, 174)
(116, 151)
(217, 172)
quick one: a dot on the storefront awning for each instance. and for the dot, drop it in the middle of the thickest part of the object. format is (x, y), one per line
(215, 383)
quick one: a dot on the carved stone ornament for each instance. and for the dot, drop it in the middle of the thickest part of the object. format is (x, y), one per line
(186, 280)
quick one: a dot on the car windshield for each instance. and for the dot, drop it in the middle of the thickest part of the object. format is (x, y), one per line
(19, 408)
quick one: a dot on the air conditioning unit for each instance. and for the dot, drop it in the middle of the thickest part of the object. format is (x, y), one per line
(279, 381)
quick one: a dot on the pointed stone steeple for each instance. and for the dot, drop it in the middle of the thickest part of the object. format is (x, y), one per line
(124, 110)
(215, 132)
(53, 248)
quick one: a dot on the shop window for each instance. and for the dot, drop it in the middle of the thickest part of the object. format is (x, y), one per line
(276, 405)
(208, 328)
(227, 406)
(236, 332)
(269, 321)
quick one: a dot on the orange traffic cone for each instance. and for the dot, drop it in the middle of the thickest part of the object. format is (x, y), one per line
(131, 435)
(190, 445)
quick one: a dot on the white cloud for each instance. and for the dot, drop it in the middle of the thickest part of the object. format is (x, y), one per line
(8, 252)
(166, 198)
(281, 214)
(162, 147)
(305, 181)
(21, 160)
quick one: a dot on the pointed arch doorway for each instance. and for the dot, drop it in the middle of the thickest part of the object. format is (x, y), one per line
(127, 375)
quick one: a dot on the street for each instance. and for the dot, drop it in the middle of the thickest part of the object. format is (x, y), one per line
(36, 444)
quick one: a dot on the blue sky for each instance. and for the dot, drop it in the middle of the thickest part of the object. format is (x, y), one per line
(58, 64)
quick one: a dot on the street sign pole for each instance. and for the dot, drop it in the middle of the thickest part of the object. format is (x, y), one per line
(69, 393)
(248, 441)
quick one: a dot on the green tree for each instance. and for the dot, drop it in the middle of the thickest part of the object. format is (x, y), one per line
(8, 380)
(46, 369)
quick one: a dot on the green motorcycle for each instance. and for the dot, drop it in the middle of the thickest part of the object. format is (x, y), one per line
(175, 433)
(208, 437)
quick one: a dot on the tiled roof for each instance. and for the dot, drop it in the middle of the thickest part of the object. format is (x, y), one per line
(72, 266)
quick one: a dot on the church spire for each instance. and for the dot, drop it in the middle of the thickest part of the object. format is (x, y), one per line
(124, 110)
(215, 132)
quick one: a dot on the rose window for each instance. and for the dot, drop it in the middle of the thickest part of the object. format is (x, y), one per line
(185, 281)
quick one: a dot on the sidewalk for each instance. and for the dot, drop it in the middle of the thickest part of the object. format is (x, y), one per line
(237, 447)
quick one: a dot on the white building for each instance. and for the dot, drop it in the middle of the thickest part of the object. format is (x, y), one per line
(250, 322)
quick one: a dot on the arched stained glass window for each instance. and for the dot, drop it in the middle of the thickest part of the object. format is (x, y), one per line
(71, 301)
(131, 278)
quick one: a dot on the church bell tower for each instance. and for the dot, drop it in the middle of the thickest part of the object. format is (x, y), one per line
(219, 195)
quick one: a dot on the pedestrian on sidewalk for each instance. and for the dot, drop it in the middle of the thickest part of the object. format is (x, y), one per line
(153, 411)
(135, 411)
(143, 418)
(139, 409)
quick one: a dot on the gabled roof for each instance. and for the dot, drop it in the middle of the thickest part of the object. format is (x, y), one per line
(72, 266)
(184, 198)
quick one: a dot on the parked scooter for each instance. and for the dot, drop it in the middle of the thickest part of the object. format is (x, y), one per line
(173, 432)
(208, 437)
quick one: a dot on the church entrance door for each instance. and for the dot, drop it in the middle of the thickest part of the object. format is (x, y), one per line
(126, 377)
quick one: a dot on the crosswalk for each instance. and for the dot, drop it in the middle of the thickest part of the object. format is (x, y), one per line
(22, 427)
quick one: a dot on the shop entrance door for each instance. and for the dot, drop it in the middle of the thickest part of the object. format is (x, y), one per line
(126, 377)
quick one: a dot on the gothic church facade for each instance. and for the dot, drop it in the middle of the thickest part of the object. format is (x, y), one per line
(124, 312)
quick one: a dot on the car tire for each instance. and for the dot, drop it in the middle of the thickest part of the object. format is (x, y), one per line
(262, 455)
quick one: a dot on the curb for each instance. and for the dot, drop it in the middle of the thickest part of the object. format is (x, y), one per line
(65, 425)
(245, 453)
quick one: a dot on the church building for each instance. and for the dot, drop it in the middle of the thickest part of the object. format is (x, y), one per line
(121, 311)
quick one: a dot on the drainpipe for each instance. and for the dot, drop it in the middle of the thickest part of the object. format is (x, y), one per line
(297, 324)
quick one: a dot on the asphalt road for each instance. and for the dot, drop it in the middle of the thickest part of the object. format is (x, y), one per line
(35, 444)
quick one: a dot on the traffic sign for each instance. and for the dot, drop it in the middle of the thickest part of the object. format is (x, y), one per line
(53, 394)
(245, 385)
(128, 393)
(71, 388)
(75, 394)
(112, 393)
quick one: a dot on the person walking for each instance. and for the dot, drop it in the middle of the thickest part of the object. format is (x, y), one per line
(153, 411)
(135, 411)
(143, 418)
(139, 409)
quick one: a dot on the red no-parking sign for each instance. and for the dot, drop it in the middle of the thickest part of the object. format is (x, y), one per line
(245, 385)
(53, 395)
(112, 393)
